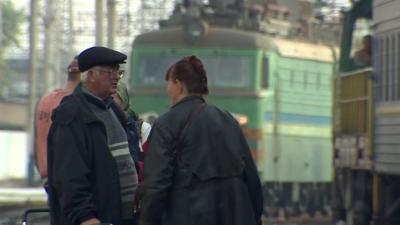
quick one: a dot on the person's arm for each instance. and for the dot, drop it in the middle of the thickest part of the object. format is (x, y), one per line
(70, 174)
(157, 176)
(41, 127)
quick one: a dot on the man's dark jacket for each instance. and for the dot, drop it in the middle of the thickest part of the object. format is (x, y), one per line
(83, 175)
(208, 179)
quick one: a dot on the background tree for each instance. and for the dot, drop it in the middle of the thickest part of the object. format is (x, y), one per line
(10, 21)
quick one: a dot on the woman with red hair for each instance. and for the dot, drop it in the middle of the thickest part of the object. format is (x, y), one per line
(198, 168)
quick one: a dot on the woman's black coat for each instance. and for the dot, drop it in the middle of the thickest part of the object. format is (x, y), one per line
(205, 177)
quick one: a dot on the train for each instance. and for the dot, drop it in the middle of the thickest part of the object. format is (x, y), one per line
(366, 132)
(277, 86)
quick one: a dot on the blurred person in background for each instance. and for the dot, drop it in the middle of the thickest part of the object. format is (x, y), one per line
(198, 168)
(92, 177)
(43, 111)
(138, 130)
(362, 57)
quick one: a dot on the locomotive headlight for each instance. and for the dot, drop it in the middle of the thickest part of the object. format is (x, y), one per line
(195, 30)
(242, 119)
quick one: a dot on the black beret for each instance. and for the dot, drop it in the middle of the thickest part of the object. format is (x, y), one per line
(97, 55)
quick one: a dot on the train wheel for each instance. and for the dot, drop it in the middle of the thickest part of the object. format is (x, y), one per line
(389, 200)
(358, 198)
(271, 200)
(307, 201)
(338, 208)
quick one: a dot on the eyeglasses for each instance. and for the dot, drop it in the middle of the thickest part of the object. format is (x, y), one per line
(120, 73)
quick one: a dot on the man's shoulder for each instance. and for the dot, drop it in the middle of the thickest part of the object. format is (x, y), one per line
(57, 93)
(54, 98)
(66, 111)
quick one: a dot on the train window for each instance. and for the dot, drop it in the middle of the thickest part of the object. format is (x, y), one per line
(228, 71)
(392, 71)
(265, 73)
(298, 82)
(380, 68)
(383, 68)
(395, 67)
(379, 59)
(284, 78)
(386, 70)
(312, 80)
(386, 58)
(152, 68)
(397, 62)
(291, 78)
(361, 43)
(222, 71)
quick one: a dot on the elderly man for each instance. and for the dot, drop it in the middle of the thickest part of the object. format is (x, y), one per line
(92, 177)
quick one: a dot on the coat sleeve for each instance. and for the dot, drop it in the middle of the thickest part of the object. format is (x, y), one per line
(69, 176)
(157, 176)
(253, 182)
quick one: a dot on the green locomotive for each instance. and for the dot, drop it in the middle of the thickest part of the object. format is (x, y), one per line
(279, 89)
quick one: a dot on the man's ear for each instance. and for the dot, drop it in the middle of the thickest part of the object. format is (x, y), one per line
(91, 76)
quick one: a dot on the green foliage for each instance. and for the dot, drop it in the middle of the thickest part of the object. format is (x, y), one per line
(11, 19)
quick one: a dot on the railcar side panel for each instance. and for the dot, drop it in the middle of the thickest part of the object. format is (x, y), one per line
(298, 127)
(387, 116)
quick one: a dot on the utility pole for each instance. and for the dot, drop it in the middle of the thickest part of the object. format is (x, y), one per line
(49, 28)
(59, 36)
(33, 37)
(111, 22)
(99, 22)
(71, 33)
(142, 16)
(128, 31)
(1, 24)
(1, 40)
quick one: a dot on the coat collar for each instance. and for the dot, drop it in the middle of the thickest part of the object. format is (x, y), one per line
(104, 104)
(84, 97)
(188, 99)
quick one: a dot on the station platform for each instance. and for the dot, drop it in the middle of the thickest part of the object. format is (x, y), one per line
(16, 192)
(22, 195)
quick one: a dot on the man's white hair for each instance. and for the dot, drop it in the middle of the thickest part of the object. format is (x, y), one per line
(84, 77)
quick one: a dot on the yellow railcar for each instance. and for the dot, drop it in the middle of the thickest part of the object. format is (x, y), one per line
(367, 117)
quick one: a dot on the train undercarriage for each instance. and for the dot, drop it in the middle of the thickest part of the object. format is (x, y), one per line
(287, 200)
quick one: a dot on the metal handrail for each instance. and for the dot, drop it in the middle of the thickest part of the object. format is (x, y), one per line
(35, 210)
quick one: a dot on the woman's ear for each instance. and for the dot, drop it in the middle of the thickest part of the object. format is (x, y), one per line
(181, 87)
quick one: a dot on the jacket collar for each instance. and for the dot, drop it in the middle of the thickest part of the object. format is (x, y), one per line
(83, 98)
(188, 99)
(104, 104)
